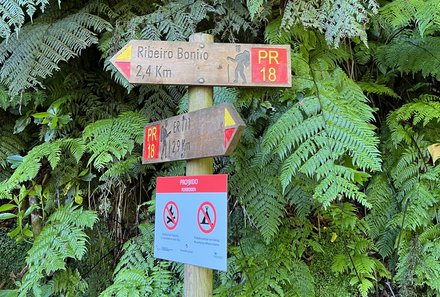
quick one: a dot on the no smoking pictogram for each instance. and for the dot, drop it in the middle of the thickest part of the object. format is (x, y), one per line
(170, 215)
(206, 217)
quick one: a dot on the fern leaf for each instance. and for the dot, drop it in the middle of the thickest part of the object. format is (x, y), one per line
(113, 139)
(338, 19)
(139, 274)
(254, 7)
(377, 89)
(314, 134)
(35, 53)
(12, 14)
(416, 55)
(262, 199)
(62, 238)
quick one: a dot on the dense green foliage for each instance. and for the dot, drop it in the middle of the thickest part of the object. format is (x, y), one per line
(333, 190)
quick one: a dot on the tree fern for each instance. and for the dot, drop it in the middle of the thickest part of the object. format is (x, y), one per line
(254, 7)
(423, 111)
(423, 14)
(13, 13)
(34, 54)
(325, 127)
(337, 19)
(233, 19)
(160, 101)
(10, 145)
(406, 200)
(413, 37)
(259, 192)
(138, 273)
(112, 139)
(61, 239)
(409, 54)
(31, 163)
(271, 275)
(377, 89)
(7, 101)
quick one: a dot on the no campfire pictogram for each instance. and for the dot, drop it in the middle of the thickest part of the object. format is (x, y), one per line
(206, 217)
(171, 215)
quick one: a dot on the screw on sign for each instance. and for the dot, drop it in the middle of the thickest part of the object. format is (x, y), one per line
(171, 215)
(206, 217)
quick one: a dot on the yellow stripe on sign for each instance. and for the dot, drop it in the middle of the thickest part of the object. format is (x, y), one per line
(125, 55)
(228, 119)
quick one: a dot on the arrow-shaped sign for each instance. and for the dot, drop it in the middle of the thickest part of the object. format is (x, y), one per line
(204, 64)
(209, 132)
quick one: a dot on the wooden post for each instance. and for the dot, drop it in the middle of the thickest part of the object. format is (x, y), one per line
(198, 280)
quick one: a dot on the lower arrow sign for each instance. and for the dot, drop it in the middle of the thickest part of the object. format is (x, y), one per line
(208, 132)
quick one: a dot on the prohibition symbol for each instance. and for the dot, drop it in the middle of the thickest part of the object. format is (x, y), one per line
(170, 215)
(206, 217)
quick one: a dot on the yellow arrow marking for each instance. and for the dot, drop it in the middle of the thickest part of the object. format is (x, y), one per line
(228, 119)
(125, 55)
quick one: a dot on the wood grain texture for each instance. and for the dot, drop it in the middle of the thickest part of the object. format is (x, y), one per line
(204, 64)
(198, 281)
(196, 134)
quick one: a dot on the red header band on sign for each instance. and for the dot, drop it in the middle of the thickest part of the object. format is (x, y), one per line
(193, 184)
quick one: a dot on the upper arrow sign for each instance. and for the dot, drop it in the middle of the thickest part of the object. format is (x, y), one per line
(208, 64)
(213, 131)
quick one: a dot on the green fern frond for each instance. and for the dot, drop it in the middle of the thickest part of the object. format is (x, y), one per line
(62, 238)
(411, 55)
(376, 89)
(233, 18)
(68, 283)
(29, 167)
(338, 19)
(10, 145)
(270, 275)
(175, 20)
(35, 53)
(138, 273)
(22, 100)
(407, 122)
(259, 192)
(31, 164)
(160, 101)
(112, 139)
(301, 199)
(13, 13)
(254, 7)
(128, 169)
(406, 199)
(384, 207)
(315, 134)
(424, 14)
(423, 111)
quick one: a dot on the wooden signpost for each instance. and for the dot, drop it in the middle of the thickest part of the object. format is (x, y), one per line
(208, 132)
(205, 131)
(204, 64)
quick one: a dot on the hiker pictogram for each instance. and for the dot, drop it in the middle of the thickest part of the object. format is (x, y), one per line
(206, 217)
(242, 60)
(171, 215)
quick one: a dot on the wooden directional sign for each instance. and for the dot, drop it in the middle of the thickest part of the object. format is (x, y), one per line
(204, 64)
(207, 132)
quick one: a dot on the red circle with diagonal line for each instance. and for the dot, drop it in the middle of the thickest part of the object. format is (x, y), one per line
(206, 217)
(170, 215)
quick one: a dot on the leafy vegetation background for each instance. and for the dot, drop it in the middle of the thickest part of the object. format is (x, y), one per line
(334, 187)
